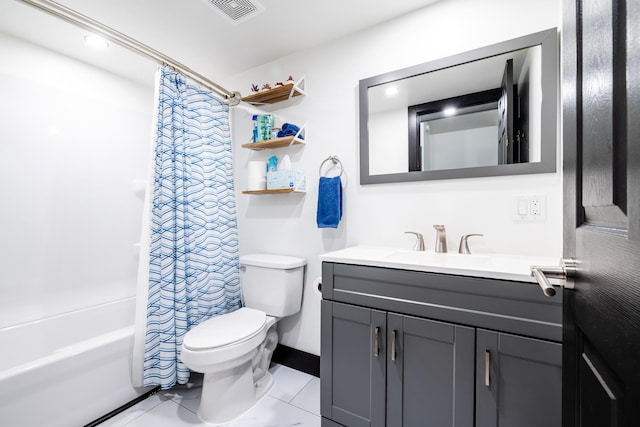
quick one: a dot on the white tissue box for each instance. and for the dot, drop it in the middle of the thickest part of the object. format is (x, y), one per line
(286, 179)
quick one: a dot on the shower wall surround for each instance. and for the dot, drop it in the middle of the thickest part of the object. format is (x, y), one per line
(380, 214)
(72, 140)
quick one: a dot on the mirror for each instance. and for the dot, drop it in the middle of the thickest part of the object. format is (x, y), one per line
(487, 112)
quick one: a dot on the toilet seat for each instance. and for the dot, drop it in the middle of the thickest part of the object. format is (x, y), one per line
(230, 328)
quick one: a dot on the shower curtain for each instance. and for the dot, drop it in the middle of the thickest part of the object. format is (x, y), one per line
(188, 267)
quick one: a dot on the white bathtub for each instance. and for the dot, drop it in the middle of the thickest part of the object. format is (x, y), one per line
(67, 370)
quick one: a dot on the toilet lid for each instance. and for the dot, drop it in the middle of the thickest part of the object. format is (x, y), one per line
(225, 329)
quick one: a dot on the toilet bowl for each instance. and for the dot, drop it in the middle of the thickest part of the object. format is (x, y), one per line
(234, 350)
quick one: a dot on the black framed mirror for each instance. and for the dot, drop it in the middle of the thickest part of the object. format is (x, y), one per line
(487, 112)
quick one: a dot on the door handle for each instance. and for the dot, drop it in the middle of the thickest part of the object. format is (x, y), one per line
(376, 341)
(487, 366)
(393, 345)
(565, 272)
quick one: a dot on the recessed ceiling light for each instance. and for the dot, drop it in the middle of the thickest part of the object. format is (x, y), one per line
(392, 91)
(96, 41)
(449, 111)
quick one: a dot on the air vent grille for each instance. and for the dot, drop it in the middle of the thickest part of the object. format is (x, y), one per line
(237, 11)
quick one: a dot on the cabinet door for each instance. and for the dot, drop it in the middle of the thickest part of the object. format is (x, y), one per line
(352, 367)
(518, 381)
(430, 373)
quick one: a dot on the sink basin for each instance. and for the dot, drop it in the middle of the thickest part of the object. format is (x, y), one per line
(442, 259)
(498, 266)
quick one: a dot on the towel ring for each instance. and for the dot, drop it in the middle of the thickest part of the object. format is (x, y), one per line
(335, 160)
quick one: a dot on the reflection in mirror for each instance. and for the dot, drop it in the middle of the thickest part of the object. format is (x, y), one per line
(457, 137)
(479, 113)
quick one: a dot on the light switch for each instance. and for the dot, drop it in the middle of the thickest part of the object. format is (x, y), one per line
(528, 208)
(523, 207)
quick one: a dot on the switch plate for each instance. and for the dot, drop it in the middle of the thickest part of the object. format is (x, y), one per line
(529, 208)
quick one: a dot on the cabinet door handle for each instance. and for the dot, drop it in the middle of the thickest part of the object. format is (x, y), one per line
(393, 345)
(487, 364)
(376, 341)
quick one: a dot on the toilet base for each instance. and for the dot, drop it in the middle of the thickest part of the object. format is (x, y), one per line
(227, 394)
(264, 385)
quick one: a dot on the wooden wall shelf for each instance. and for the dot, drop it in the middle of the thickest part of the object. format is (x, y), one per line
(277, 94)
(274, 143)
(278, 191)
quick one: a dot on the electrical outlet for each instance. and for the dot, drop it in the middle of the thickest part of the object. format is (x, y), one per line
(535, 206)
(528, 208)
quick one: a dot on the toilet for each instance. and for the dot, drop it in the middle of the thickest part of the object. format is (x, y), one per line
(234, 350)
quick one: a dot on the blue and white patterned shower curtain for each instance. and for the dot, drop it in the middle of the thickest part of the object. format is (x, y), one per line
(193, 254)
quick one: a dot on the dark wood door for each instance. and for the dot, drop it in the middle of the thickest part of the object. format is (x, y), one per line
(601, 137)
(505, 116)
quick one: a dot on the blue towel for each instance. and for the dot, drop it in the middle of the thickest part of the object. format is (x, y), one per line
(289, 129)
(329, 202)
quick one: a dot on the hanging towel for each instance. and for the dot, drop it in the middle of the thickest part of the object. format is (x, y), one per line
(329, 202)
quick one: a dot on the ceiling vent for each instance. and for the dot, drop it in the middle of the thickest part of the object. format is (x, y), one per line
(237, 11)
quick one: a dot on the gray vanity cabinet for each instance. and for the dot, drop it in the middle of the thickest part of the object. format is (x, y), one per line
(429, 373)
(518, 381)
(406, 348)
(354, 372)
(394, 370)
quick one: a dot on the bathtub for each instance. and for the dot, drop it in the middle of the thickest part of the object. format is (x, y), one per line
(69, 369)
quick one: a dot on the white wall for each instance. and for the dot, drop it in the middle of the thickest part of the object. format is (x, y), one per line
(389, 142)
(379, 214)
(72, 139)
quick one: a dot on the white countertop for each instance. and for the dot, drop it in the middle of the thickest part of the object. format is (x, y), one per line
(494, 266)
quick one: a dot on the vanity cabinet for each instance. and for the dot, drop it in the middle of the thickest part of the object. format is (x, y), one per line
(407, 348)
(377, 358)
(518, 380)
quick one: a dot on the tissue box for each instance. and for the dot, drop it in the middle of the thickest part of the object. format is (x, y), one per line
(286, 179)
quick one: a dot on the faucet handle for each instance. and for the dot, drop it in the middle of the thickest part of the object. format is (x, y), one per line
(419, 246)
(464, 246)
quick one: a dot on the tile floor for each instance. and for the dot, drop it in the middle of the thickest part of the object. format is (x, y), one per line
(294, 400)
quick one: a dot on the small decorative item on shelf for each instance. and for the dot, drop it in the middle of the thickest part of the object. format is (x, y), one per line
(255, 88)
(280, 91)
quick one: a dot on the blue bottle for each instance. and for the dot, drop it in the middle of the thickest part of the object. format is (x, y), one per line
(255, 128)
(272, 164)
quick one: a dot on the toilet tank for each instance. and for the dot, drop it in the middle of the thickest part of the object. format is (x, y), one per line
(272, 283)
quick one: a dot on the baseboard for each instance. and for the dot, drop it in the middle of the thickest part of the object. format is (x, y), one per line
(123, 407)
(297, 359)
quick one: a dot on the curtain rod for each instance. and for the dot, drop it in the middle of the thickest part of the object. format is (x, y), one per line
(83, 21)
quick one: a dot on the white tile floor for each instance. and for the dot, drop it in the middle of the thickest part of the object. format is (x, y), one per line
(294, 400)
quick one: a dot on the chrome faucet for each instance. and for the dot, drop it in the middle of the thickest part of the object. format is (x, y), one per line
(419, 246)
(441, 238)
(464, 246)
